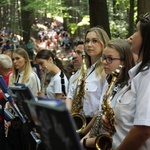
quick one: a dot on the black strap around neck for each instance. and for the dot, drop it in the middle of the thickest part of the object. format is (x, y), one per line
(91, 71)
(63, 83)
(18, 78)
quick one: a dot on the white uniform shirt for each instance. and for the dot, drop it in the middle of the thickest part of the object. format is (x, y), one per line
(55, 86)
(133, 106)
(33, 83)
(93, 90)
(72, 84)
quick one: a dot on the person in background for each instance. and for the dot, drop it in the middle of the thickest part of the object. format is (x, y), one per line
(30, 48)
(95, 41)
(57, 86)
(15, 41)
(6, 46)
(23, 45)
(77, 56)
(76, 61)
(116, 53)
(8, 52)
(5, 71)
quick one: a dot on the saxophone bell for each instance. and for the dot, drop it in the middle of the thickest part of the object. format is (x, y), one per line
(103, 142)
(80, 122)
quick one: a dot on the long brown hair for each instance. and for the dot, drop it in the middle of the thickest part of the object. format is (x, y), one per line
(123, 48)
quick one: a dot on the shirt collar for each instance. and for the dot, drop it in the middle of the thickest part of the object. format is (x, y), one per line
(21, 73)
(132, 72)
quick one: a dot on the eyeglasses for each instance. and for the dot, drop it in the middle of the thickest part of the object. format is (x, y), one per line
(93, 41)
(109, 60)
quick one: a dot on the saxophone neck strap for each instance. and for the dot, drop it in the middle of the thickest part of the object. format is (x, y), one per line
(63, 83)
(91, 71)
(116, 88)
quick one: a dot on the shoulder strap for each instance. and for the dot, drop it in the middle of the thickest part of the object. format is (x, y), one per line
(63, 83)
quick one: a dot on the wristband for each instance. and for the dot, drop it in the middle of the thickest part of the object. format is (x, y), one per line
(84, 142)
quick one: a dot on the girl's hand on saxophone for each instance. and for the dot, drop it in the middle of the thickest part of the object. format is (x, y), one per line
(106, 125)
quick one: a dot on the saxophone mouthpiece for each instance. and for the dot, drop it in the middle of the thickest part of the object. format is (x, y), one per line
(117, 71)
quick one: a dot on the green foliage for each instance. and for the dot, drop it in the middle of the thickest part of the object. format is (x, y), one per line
(76, 13)
(73, 27)
(119, 18)
(85, 21)
(118, 30)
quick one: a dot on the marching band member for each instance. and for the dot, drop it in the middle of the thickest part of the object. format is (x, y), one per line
(57, 87)
(23, 72)
(116, 53)
(95, 41)
(133, 104)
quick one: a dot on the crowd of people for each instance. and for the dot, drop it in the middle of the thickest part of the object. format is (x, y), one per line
(117, 110)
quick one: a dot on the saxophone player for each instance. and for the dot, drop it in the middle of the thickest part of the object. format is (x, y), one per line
(116, 53)
(95, 41)
(77, 61)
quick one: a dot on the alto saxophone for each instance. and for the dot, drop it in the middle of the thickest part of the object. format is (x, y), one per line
(77, 104)
(104, 141)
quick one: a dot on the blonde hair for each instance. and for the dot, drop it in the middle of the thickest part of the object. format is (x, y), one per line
(5, 61)
(103, 39)
(27, 69)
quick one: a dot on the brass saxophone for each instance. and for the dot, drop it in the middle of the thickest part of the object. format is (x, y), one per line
(77, 104)
(104, 140)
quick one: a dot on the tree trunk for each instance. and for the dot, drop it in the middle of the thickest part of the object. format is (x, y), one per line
(99, 14)
(27, 21)
(131, 18)
(143, 6)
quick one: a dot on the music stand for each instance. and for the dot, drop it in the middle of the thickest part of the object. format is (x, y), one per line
(3, 84)
(57, 128)
(22, 93)
(9, 97)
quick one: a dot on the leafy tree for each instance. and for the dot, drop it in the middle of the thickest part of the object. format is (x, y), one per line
(117, 17)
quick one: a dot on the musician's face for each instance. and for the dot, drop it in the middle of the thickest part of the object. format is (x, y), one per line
(93, 45)
(77, 56)
(43, 63)
(111, 60)
(19, 62)
(136, 41)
